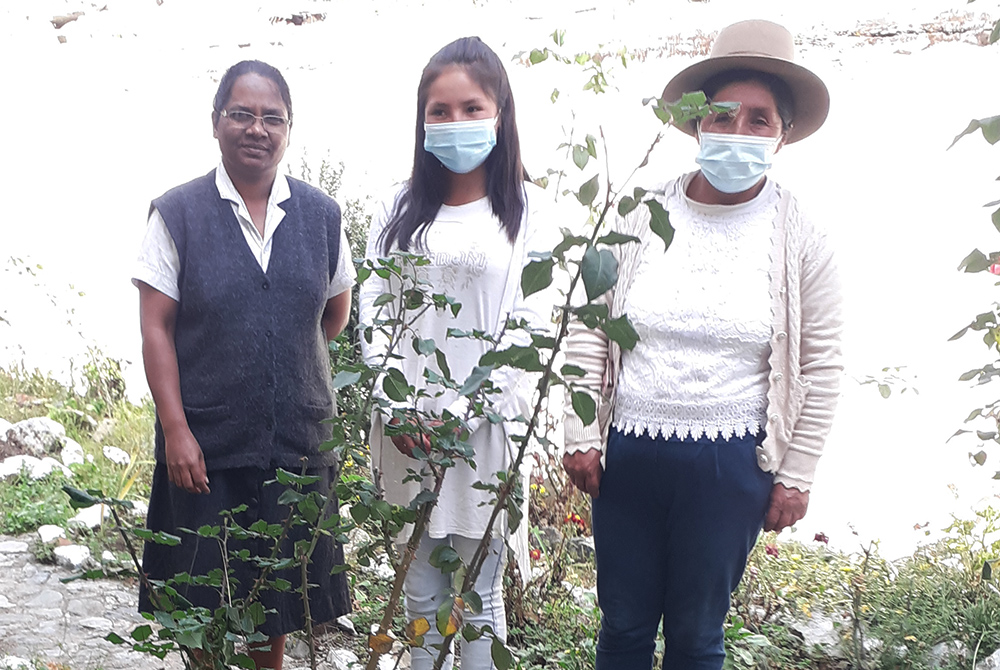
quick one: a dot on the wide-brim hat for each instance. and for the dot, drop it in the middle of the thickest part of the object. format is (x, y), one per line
(765, 47)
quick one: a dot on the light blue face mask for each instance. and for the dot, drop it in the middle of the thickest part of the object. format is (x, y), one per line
(461, 146)
(735, 163)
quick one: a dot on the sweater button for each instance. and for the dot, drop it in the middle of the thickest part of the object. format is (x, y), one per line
(762, 457)
(269, 426)
(268, 333)
(265, 285)
(777, 376)
(781, 336)
(773, 418)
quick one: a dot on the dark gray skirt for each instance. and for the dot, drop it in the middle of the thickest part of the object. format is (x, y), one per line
(171, 508)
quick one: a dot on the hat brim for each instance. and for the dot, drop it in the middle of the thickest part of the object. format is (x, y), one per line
(811, 97)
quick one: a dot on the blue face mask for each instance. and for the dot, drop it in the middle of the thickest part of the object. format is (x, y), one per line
(461, 146)
(735, 163)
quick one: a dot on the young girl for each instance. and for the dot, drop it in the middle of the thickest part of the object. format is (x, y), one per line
(470, 210)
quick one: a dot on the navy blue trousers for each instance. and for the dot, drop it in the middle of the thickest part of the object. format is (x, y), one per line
(673, 526)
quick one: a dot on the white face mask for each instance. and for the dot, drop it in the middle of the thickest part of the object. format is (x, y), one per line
(735, 163)
(461, 146)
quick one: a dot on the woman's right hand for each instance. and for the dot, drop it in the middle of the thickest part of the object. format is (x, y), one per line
(405, 444)
(186, 463)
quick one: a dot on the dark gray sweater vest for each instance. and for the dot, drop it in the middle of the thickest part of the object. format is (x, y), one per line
(254, 368)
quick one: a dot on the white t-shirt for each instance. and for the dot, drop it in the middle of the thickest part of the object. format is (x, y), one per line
(470, 261)
(703, 314)
(159, 262)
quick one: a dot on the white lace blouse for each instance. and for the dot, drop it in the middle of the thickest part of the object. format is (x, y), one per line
(703, 314)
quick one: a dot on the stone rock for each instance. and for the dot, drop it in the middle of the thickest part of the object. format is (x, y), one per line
(5, 425)
(50, 533)
(297, 648)
(116, 455)
(947, 653)
(89, 517)
(140, 508)
(581, 548)
(107, 557)
(38, 437)
(345, 624)
(96, 623)
(46, 599)
(36, 468)
(13, 547)
(343, 659)
(14, 663)
(104, 430)
(990, 663)
(581, 596)
(819, 630)
(71, 555)
(72, 452)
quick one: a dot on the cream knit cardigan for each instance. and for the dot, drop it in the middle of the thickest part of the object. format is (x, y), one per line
(805, 358)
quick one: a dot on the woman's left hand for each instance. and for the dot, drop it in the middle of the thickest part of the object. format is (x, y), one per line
(788, 505)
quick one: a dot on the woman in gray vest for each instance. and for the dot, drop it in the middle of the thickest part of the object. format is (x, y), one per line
(243, 277)
(719, 414)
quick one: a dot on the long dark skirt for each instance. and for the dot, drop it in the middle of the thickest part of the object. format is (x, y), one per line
(171, 508)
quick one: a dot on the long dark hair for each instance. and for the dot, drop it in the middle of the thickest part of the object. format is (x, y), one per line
(418, 204)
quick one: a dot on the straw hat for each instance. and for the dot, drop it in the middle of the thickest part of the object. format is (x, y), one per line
(765, 47)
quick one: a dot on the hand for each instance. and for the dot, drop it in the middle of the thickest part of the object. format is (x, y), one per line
(584, 470)
(186, 463)
(788, 505)
(405, 444)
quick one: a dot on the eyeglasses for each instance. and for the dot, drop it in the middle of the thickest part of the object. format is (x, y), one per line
(271, 122)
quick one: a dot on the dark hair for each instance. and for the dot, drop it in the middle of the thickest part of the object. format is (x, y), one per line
(418, 204)
(780, 90)
(249, 67)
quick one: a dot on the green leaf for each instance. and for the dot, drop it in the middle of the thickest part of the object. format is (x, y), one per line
(345, 378)
(209, 531)
(616, 238)
(558, 36)
(442, 362)
(425, 347)
(569, 370)
(522, 358)
(141, 633)
(884, 390)
(114, 638)
(501, 656)
(473, 602)
(659, 222)
(989, 126)
(553, 98)
(479, 374)
(580, 156)
(995, 35)
(537, 56)
(536, 276)
(383, 299)
(444, 614)
(996, 219)
(589, 190)
(621, 331)
(592, 145)
(243, 661)
(568, 241)
(626, 205)
(79, 499)
(599, 270)
(395, 386)
(979, 457)
(585, 407)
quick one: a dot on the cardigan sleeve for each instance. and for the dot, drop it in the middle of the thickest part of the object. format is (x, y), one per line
(820, 359)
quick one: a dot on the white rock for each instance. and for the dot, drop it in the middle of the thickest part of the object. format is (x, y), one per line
(37, 468)
(945, 652)
(108, 557)
(4, 427)
(37, 437)
(140, 508)
(13, 547)
(991, 663)
(116, 455)
(343, 659)
(50, 533)
(819, 629)
(89, 517)
(14, 663)
(95, 623)
(71, 555)
(72, 452)
(344, 623)
(103, 430)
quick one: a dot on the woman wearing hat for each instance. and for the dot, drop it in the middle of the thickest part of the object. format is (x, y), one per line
(719, 414)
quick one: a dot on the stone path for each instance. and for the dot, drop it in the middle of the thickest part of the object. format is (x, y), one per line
(43, 619)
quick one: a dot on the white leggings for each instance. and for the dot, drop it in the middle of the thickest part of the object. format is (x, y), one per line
(425, 585)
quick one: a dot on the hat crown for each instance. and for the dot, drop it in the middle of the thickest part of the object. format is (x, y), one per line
(754, 38)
